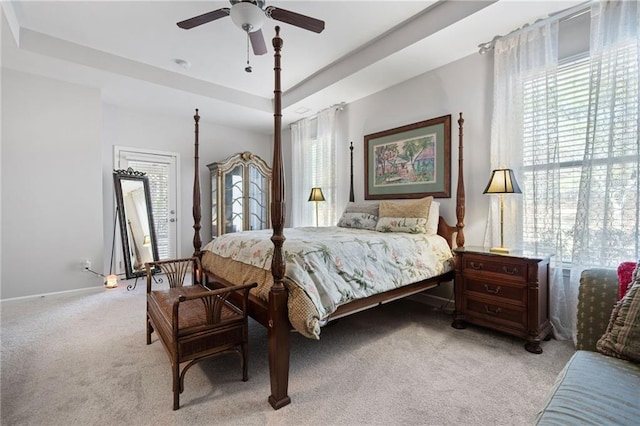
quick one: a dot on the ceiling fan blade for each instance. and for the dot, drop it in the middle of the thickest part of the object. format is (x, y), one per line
(187, 24)
(302, 21)
(257, 42)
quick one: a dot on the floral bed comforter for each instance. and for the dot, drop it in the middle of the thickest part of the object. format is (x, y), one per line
(333, 266)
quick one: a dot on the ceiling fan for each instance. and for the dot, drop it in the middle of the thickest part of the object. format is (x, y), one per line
(249, 16)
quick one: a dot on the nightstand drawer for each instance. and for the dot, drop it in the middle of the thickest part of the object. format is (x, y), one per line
(496, 290)
(501, 268)
(509, 316)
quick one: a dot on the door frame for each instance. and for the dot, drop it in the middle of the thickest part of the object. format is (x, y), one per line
(117, 151)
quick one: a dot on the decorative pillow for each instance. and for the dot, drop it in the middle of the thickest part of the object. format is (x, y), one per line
(635, 276)
(622, 337)
(410, 208)
(369, 208)
(358, 221)
(359, 216)
(434, 217)
(625, 277)
(412, 225)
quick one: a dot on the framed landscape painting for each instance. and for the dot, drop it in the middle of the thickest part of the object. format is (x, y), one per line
(411, 161)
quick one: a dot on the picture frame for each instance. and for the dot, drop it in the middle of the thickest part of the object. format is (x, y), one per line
(412, 161)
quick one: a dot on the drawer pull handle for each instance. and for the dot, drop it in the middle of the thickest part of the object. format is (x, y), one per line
(510, 271)
(492, 291)
(489, 311)
(476, 266)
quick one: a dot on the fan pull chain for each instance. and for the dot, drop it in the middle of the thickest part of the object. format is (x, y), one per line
(248, 67)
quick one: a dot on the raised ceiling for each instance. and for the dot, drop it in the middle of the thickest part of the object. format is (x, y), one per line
(129, 49)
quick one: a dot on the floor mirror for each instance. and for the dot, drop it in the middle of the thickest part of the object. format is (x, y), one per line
(135, 217)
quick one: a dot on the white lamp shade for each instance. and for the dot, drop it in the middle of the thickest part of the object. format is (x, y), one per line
(503, 181)
(247, 16)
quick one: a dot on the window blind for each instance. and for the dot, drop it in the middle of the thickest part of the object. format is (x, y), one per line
(322, 172)
(314, 165)
(554, 149)
(158, 176)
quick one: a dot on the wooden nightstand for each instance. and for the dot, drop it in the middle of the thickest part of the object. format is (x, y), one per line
(505, 292)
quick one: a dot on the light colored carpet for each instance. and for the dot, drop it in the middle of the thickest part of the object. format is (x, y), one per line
(81, 359)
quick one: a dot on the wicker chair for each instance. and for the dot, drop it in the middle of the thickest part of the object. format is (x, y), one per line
(192, 322)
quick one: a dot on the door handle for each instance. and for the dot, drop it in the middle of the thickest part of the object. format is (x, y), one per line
(172, 220)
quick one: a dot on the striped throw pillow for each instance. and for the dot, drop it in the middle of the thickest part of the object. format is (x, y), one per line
(622, 337)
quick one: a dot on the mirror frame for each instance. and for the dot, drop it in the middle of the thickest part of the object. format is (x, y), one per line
(132, 175)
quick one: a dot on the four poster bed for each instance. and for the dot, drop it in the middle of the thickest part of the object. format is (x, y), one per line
(278, 301)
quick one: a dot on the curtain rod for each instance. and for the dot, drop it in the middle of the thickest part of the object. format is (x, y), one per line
(339, 107)
(563, 15)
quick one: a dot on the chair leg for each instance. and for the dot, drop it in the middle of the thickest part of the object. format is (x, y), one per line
(176, 385)
(149, 331)
(244, 353)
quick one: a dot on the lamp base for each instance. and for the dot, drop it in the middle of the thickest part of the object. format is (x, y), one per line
(502, 250)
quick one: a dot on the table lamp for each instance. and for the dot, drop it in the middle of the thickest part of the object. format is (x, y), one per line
(503, 181)
(316, 196)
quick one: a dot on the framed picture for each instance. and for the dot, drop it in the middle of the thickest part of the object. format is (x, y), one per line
(411, 161)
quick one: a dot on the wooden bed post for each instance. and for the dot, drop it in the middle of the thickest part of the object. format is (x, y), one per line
(197, 214)
(278, 330)
(275, 314)
(460, 197)
(351, 195)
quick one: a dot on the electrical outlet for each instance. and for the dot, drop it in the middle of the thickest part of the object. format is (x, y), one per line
(86, 265)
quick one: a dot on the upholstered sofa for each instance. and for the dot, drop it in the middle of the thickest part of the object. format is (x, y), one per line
(595, 389)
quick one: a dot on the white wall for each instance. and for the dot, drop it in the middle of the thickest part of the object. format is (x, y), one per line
(57, 184)
(51, 185)
(75, 136)
(462, 86)
(131, 128)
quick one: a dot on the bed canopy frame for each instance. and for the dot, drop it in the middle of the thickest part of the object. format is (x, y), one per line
(274, 314)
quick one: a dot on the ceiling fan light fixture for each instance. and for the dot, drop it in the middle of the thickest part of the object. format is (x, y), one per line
(247, 16)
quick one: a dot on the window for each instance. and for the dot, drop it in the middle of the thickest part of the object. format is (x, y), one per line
(320, 172)
(314, 164)
(554, 150)
(158, 176)
(565, 163)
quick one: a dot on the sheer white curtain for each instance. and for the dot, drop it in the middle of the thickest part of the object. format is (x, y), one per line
(314, 164)
(524, 56)
(607, 219)
(525, 115)
(570, 132)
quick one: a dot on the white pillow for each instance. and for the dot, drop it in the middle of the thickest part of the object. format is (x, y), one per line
(432, 220)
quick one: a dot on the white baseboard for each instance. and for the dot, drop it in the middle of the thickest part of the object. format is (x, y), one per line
(55, 293)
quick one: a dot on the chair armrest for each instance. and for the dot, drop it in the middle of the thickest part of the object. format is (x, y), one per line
(219, 292)
(215, 303)
(598, 293)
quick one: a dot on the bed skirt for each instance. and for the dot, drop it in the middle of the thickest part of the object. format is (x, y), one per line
(303, 314)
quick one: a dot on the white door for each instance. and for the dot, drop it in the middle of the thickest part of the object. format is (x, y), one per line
(162, 170)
